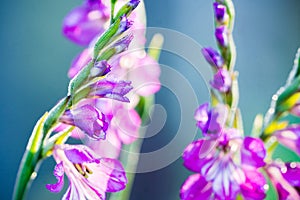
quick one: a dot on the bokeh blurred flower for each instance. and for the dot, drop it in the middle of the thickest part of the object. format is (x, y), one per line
(85, 22)
(290, 137)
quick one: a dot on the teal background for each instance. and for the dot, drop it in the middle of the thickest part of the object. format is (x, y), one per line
(35, 57)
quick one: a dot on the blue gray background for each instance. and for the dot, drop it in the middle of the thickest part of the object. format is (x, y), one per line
(34, 60)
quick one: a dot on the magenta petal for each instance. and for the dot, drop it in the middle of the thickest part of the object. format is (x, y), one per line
(202, 116)
(78, 153)
(196, 188)
(59, 174)
(221, 81)
(191, 156)
(118, 179)
(253, 152)
(254, 187)
(290, 137)
(292, 173)
(85, 22)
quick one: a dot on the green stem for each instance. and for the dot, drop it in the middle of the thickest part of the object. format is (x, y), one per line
(112, 11)
(30, 160)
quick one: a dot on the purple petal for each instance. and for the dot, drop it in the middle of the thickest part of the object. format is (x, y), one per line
(125, 24)
(113, 89)
(220, 12)
(88, 119)
(85, 22)
(122, 44)
(100, 68)
(221, 34)
(255, 185)
(196, 188)
(202, 116)
(213, 57)
(108, 175)
(191, 156)
(253, 152)
(283, 188)
(78, 153)
(59, 174)
(290, 137)
(133, 3)
(296, 110)
(292, 173)
(218, 118)
(221, 81)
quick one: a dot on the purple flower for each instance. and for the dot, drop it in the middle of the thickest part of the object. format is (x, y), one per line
(253, 152)
(85, 22)
(124, 127)
(122, 44)
(220, 12)
(111, 88)
(101, 68)
(290, 137)
(221, 34)
(211, 121)
(89, 119)
(218, 173)
(213, 57)
(90, 177)
(285, 178)
(125, 24)
(196, 188)
(221, 81)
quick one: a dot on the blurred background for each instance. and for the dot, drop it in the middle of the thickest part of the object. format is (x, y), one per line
(35, 57)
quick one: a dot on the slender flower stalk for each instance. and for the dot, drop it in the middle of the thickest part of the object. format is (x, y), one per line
(64, 112)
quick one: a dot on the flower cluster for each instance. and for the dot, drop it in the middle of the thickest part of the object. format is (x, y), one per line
(227, 164)
(98, 108)
(222, 78)
(133, 65)
(224, 161)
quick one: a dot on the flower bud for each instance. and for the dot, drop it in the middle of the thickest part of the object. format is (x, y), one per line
(221, 34)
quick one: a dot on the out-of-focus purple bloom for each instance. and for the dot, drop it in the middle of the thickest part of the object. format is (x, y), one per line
(296, 110)
(111, 88)
(90, 177)
(85, 22)
(213, 57)
(220, 12)
(283, 178)
(290, 137)
(221, 81)
(221, 34)
(253, 152)
(211, 121)
(89, 119)
(223, 176)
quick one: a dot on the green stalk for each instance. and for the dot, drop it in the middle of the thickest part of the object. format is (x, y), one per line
(30, 160)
